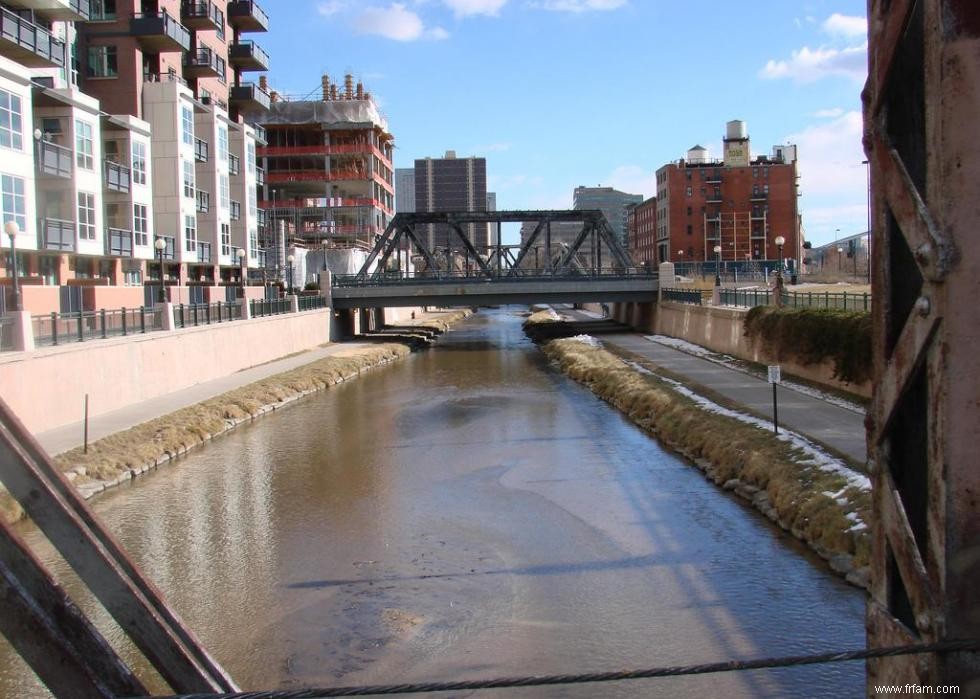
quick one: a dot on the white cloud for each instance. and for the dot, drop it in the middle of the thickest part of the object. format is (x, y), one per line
(832, 179)
(492, 148)
(634, 179)
(396, 22)
(579, 5)
(846, 25)
(808, 65)
(828, 113)
(466, 8)
(331, 7)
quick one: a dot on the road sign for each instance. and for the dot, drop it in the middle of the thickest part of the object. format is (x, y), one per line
(774, 374)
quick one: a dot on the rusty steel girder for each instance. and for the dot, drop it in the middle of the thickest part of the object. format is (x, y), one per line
(920, 112)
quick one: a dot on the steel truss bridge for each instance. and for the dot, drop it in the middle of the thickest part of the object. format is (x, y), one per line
(459, 273)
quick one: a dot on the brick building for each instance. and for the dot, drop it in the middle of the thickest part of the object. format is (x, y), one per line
(738, 202)
(641, 226)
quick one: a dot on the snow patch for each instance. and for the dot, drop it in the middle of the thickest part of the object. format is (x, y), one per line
(586, 340)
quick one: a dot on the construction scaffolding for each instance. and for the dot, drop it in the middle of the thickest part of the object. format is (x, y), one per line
(330, 179)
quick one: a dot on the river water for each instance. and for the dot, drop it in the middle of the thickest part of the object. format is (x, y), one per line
(471, 513)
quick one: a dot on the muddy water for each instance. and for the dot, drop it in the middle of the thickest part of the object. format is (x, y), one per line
(472, 513)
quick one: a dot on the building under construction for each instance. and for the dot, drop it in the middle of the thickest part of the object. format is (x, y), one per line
(329, 180)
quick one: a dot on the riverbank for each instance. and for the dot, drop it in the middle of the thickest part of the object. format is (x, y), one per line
(122, 456)
(805, 491)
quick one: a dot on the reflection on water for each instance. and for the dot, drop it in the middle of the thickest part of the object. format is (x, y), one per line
(470, 512)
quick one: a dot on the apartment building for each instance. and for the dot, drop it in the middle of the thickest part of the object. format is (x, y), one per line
(453, 184)
(738, 202)
(125, 121)
(612, 202)
(641, 227)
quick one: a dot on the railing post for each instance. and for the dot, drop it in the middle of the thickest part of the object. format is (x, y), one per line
(102, 322)
(220, 304)
(194, 309)
(54, 328)
(81, 335)
(143, 320)
(207, 314)
(124, 321)
(865, 300)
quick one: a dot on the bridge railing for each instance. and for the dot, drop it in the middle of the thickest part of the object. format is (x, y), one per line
(477, 275)
(692, 296)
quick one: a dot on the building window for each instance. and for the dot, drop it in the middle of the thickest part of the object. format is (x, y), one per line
(755, 172)
(102, 10)
(83, 145)
(86, 216)
(188, 179)
(102, 62)
(219, 17)
(140, 228)
(755, 189)
(253, 204)
(253, 244)
(689, 210)
(690, 229)
(14, 203)
(250, 157)
(139, 162)
(190, 234)
(11, 121)
(225, 239)
(224, 192)
(187, 125)
(222, 144)
(688, 191)
(765, 189)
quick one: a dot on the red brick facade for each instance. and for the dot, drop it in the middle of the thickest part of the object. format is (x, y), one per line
(642, 232)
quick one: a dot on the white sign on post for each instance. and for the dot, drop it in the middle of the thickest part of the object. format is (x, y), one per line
(774, 374)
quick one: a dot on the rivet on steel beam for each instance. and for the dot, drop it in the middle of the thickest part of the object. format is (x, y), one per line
(923, 306)
(923, 254)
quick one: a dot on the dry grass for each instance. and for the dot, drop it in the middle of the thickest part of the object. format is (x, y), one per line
(732, 453)
(169, 435)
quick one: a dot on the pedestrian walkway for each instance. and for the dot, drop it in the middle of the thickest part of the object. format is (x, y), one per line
(824, 422)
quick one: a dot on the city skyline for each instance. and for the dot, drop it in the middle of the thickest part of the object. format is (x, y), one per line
(553, 117)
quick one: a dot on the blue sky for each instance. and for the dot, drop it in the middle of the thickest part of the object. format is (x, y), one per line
(560, 93)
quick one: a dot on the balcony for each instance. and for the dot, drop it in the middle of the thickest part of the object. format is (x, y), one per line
(204, 63)
(119, 242)
(203, 252)
(201, 15)
(247, 16)
(203, 201)
(117, 177)
(160, 32)
(236, 210)
(55, 160)
(29, 44)
(247, 55)
(200, 150)
(260, 134)
(63, 10)
(57, 234)
(259, 176)
(260, 217)
(234, 164)
(249, 97)
(759, 196)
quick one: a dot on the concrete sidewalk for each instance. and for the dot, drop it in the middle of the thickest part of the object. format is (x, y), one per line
(66, 437)
(829, 424)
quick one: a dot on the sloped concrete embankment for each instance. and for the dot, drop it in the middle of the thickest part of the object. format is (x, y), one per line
(816, 499)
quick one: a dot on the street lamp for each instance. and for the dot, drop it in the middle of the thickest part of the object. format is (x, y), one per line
(290, 259)
(840, 251)
(12, 229)
(241, 262)
(160, 244)
(323, 246)
(717, 265)
(780, 241)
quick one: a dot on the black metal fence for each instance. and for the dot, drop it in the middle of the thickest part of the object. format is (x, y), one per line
(192, 314)
(310, 303)
(692, 296)
(6, 334)
(746, 298)
(62, 328)
(261, 307)
(827, 299)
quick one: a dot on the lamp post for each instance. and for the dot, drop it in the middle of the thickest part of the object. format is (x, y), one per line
(717, 265)
(160, 244)
(12, 229)
(840, 251)
(323, 247)
(290, 259)
(780, 241)
(241, 262)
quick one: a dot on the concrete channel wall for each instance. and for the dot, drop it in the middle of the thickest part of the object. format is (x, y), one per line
(46, 387)
(722, 329)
